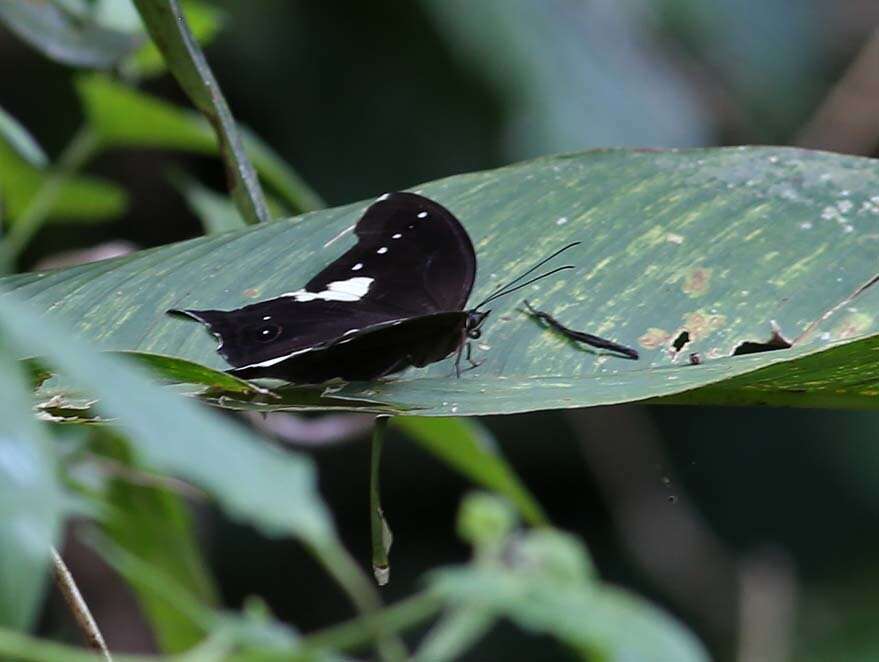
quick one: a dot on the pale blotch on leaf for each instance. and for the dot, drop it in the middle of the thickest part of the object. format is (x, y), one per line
(701, 324)
(251, 293)
(654, 338)
(697, 281)
(854, 324)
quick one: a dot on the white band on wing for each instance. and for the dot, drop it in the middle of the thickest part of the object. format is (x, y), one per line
(352, 289)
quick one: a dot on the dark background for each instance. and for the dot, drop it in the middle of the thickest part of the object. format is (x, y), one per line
(762, 518)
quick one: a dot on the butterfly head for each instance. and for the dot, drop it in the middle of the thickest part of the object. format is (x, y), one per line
(475, 318)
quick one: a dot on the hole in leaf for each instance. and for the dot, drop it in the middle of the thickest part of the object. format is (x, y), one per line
(776, 341)
(681, 341)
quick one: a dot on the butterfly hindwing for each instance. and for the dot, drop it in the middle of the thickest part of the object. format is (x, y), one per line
(371, 353)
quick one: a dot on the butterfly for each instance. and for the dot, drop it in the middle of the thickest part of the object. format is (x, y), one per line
(395, 299)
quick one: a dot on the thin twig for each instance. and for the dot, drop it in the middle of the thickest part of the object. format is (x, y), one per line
(78, 607)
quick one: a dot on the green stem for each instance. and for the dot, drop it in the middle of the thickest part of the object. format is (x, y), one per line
(166, 24)
(381, 533)
(79, 151)
(339, 564)
(358, 633)
(454, 634)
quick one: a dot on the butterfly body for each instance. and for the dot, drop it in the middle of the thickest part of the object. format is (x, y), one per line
(395, 299)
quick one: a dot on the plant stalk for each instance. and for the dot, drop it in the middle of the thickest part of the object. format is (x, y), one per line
(356, 634)
(381, 532)
(166, 24)
(80, 610)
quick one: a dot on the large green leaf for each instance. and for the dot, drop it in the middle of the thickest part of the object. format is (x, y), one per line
(123, 116)
(720, 243)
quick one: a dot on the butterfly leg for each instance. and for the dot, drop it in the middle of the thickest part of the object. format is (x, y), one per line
(473, 364)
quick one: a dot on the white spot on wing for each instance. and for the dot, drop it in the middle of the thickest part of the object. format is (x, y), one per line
(382, 198)
(267, 317)
(382, 250)
(397, 236)
(352, 289)
(357, 267)
(422, 214)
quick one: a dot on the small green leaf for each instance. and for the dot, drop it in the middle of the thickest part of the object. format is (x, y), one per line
(126, 117)
(80, 199)
(65, 37)
(21, 141)
(468, 447)
(31, 500)
(186, 372)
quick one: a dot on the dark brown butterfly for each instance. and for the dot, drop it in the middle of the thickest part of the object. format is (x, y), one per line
(395, 299)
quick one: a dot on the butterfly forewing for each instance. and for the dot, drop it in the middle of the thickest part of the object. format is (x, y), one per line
(418, 254)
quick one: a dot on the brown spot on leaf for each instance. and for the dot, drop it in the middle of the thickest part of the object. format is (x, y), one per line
(251, 292)
(654, 338)
(697, 281)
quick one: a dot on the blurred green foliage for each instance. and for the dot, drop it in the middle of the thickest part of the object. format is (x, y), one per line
(366, 98)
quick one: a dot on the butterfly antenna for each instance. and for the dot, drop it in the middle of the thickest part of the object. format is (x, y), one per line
(505, 292)
(502, 290)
